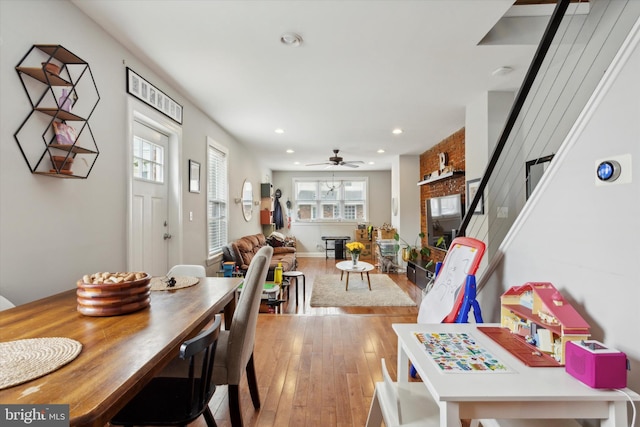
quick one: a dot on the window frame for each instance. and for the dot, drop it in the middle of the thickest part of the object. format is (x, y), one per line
(157, 166)
(318, 202)
(214, 248)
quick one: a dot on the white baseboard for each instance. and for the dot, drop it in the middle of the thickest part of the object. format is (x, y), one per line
(311, 254)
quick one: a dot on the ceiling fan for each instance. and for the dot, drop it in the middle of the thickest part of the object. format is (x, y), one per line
(336, 160)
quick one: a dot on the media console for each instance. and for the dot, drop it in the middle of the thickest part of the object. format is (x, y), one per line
(418, 274)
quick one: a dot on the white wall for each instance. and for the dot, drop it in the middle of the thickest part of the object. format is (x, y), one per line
(308, 235)
(582, 237)
(484, 122)
(477, 152)
(54, 230)
(407, 222)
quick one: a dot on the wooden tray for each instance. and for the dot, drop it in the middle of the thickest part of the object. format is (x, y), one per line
(516, 345)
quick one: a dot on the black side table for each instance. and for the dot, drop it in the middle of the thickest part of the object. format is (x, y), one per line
(338, 246)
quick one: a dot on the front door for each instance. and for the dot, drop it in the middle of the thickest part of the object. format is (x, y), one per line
(150, 228)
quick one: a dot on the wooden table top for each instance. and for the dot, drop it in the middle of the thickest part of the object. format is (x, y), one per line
(120, 354)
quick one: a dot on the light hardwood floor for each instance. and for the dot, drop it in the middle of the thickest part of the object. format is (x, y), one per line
(318, 366)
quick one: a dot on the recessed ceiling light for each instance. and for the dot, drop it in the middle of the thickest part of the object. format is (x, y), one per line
(371, 163)
(291, 39)
(380, 151)
(296, 163)
(501, 71)
(396, 131)
(290, 151)
(279, 131)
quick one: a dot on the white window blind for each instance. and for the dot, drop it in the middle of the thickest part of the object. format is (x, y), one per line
(216, 198)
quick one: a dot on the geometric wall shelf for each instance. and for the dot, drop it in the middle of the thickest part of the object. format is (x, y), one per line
(55, 138)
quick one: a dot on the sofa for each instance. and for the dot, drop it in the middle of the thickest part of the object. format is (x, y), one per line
(242, 251)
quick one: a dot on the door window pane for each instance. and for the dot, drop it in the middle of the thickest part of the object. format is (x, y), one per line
(148, 160)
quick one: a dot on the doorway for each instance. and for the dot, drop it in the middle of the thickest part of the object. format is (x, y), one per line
(154, 203)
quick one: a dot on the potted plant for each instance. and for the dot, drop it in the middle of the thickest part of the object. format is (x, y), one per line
(411, 253)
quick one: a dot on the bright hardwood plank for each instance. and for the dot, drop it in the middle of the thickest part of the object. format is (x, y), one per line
(318, 366)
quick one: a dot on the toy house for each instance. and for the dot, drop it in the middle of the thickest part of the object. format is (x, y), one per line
(538, 313)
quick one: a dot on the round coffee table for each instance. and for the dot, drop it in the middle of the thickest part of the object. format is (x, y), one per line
(361, 267)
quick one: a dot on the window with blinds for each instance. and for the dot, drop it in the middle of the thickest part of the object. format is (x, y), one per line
(319, 200)
(216, 197)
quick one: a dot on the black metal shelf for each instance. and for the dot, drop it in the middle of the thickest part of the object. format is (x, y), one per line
(40, 86)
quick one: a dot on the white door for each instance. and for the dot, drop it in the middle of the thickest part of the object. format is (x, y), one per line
(150, 228)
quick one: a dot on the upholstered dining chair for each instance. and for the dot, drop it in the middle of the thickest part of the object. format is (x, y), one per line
(234, 354)
(180, 399)
(194, 270)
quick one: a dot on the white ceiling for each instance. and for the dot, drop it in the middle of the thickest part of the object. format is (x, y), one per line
(364, 68)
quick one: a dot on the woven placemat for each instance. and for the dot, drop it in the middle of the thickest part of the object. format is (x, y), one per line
(161, 283)
(28, 359)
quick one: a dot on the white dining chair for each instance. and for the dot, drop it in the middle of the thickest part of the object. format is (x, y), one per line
(5, 303)
(193, 270)
(543, 422)
(406, 404)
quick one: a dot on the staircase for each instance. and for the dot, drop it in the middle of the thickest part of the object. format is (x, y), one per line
(574, 54)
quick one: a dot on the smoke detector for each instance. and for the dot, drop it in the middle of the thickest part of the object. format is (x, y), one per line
(291, 39)
(501, 71)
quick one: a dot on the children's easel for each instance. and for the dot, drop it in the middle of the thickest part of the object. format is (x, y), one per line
(443, 302)
(449, 301)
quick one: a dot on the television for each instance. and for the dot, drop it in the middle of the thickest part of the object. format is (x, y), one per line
(444, 216)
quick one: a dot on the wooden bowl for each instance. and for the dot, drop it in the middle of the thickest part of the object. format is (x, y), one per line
(113, 310)
(62, 163)
(107, 289)
(52, 68)
(112, 299)
(112, 302)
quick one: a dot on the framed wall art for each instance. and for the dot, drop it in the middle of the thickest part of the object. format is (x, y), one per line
(151, 95)
(472, 189)
(194, 176)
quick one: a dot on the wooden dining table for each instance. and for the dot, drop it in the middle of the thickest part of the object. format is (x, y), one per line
(120, 354)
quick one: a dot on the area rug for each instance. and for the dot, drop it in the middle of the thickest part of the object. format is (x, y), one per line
(328, 291)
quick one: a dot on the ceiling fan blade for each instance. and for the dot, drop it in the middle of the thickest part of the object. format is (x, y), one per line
(318, 164)
(348, 164)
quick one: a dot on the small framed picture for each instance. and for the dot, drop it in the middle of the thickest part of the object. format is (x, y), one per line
(194, 176)
(472, 189)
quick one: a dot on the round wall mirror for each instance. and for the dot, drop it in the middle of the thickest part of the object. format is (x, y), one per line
(247, 200)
